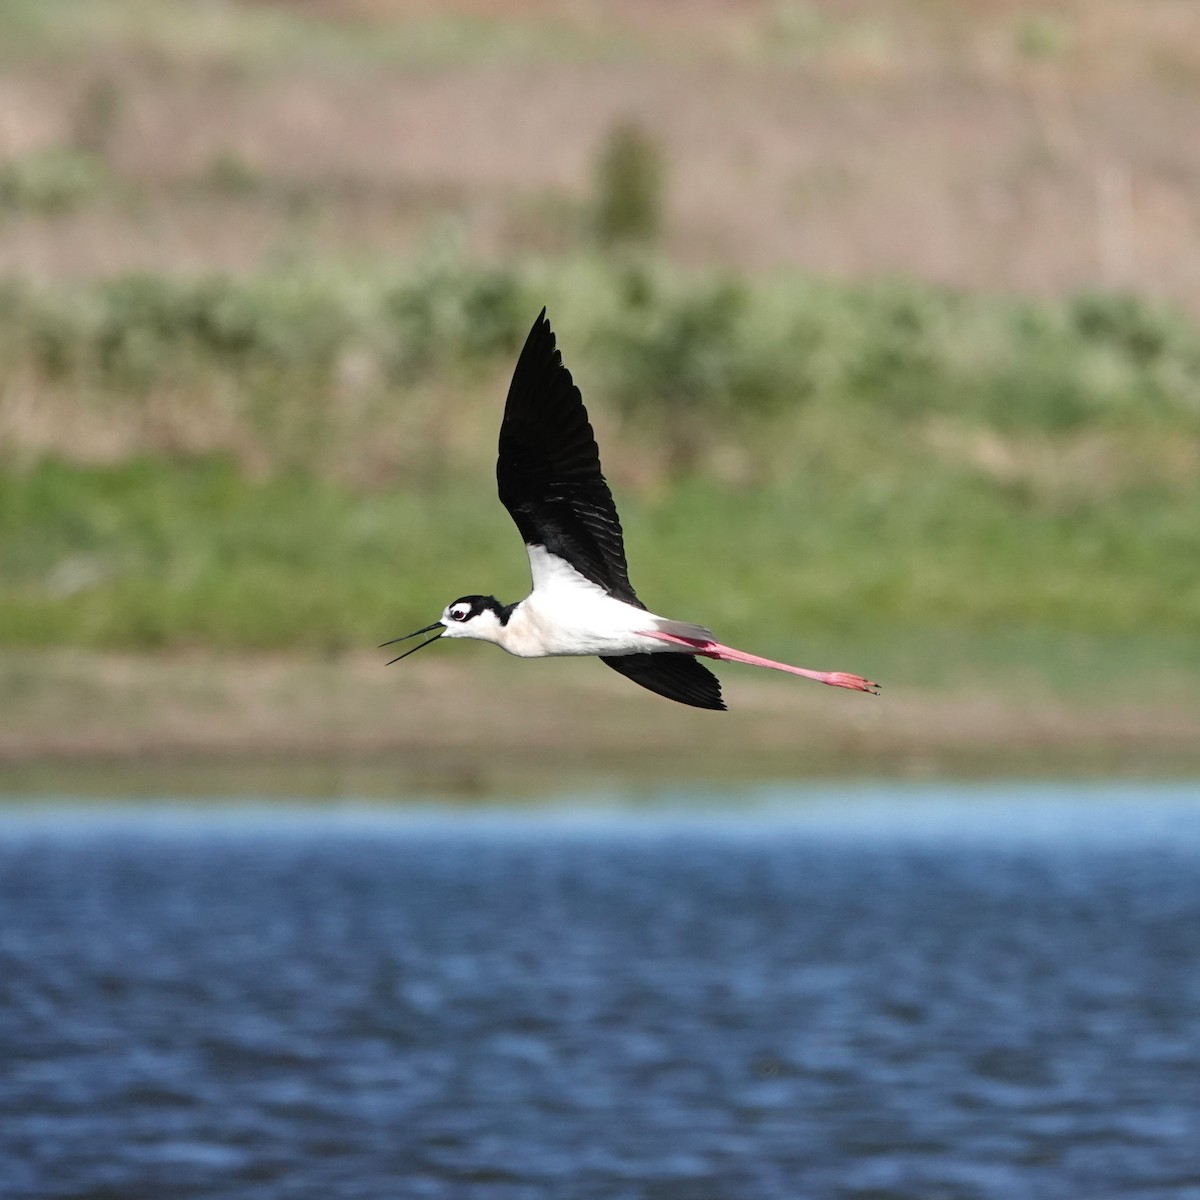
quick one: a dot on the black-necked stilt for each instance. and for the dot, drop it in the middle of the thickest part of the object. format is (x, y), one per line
(582, 602)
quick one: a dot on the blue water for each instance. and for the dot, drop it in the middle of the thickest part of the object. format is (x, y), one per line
(874, 995)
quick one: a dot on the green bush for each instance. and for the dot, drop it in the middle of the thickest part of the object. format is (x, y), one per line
(51, 181)
(286, 452)
(629, 187)
(288, 366)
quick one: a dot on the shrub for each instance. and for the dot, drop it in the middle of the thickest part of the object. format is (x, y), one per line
(629, 187)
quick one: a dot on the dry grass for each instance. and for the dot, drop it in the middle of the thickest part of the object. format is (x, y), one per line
(1038, 149)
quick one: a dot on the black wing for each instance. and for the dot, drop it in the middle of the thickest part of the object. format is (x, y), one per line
(676, 676)
(548, 470)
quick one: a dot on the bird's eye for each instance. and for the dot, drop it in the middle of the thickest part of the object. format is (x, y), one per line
(458, 614)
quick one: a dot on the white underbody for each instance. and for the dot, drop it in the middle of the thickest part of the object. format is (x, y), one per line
(566, 614)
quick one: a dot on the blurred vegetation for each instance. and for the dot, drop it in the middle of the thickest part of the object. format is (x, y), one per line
(629, 187)
(304, 458)
(51, 181)
(263, 37)
(993, 498)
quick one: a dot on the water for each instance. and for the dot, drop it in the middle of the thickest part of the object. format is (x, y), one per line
(876, 996)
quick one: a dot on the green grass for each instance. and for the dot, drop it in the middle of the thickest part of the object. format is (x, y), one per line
(157, 554)
(305, 461)
(258, 38)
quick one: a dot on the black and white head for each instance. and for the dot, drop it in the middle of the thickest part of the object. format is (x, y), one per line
(479, 617)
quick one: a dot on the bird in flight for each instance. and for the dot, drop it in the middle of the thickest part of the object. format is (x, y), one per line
(582, 602)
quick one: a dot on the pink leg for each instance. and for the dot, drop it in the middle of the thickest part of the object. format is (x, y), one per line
(728, 654)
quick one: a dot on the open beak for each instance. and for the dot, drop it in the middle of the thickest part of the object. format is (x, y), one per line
(416, 633)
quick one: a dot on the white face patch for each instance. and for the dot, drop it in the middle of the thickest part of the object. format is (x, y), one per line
(471, 619)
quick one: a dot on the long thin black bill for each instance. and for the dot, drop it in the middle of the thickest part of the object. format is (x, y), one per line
(418, 646)
(415, 633)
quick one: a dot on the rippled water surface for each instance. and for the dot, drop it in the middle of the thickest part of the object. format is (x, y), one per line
(884, 996)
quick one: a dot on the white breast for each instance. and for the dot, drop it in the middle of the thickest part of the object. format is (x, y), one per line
(566, 614)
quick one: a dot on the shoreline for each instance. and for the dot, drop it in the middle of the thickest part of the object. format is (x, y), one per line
(195, 724)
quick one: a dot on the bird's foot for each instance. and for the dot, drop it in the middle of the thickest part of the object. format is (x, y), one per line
(855, 682)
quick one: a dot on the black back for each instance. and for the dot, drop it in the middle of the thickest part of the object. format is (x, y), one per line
(548, 470)
(676, 676)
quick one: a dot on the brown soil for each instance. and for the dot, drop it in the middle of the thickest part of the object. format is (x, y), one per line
(480, 726)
